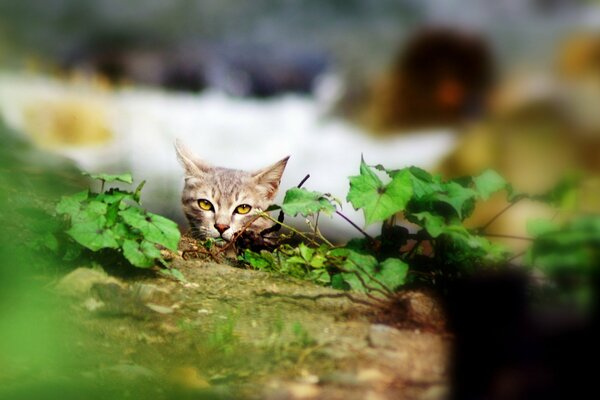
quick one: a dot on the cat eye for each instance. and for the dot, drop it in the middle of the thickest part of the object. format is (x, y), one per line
(243, 209)
(205, 205)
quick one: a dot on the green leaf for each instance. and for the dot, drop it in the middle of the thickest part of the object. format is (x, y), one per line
(306, 252)
(93, 234)
(262, 260)
(114, 195)
(112, 213)
(137, 194)
(273, 207)
(433, 224)
(379, 201)
(175, 273)
(153, 227)
(537, 227)
(357, 268)
(296, 260)
(488, 183)
(135, 254)
(338, 282)
(71, 204)
(90, 212)
(423, 183)
(304, 202)
(461, 199)
(126, 178)
(318, 261)
(392, 273)
(320, 275)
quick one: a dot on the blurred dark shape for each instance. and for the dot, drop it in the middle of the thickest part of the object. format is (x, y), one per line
(124, 57)
(540, 130)
(441, 76)
(246, 70)
(509, 348)
(253, 70)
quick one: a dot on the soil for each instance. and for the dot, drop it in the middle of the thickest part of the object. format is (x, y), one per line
(238, 333)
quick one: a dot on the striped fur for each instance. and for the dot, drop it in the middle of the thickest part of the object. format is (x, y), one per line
(225, 189)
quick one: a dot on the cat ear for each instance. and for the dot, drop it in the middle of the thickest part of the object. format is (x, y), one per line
(192, 165)
(268, 178)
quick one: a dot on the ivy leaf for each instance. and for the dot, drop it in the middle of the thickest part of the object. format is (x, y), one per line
(460, 198)
(114, 195)
(423, 183)
(433, 224)
(306, 252)
(125, 178)
(273, 207)
(153, 227)
(379, 201)
(488, 183)
(304, 202)
(93, 234)
(175, 273)
(93, 211)
(320, 276)
(338, 282)
(262, 260)
(137, 193)
(71, 204)
(135, 254)
(538, 227)
(357, 268)
(392, 273)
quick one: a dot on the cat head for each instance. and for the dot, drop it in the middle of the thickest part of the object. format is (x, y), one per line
(218, 202)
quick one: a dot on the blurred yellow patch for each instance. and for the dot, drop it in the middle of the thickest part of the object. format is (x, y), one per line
(72, 121)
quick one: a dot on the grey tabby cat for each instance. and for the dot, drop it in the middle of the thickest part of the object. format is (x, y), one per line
(218, 202)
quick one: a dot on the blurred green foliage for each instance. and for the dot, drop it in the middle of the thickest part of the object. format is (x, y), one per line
(112, 223)
(440, 248)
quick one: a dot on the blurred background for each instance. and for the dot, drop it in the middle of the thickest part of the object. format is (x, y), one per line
(453, 86)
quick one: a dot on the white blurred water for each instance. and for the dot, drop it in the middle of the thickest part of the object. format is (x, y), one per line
(235, 133)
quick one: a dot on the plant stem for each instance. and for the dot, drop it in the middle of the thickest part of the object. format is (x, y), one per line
(499, 235)
(495, 217)
(263, 214)
(354, 225)
(317, 231)
(303, 180)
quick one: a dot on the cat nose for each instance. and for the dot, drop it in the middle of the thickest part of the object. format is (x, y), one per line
(221, 228)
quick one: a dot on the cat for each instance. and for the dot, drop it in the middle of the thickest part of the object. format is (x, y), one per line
(219, 202)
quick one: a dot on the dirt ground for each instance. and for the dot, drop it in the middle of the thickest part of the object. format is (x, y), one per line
(237, 333)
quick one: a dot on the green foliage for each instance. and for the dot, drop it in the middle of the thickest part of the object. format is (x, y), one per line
(125, 178)
(304, 202)
(566, 248)
(379, 201)
(440, 248)
(569, 255)
(113, 220)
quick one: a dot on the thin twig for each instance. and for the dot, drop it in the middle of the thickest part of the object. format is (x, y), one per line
(290, 228)
(317, 231)
(281, 216)
(495, 217)
(235, 237)
(499, 235)
(303, 180)
(354, 225)
(515, 256)
(413, 249)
